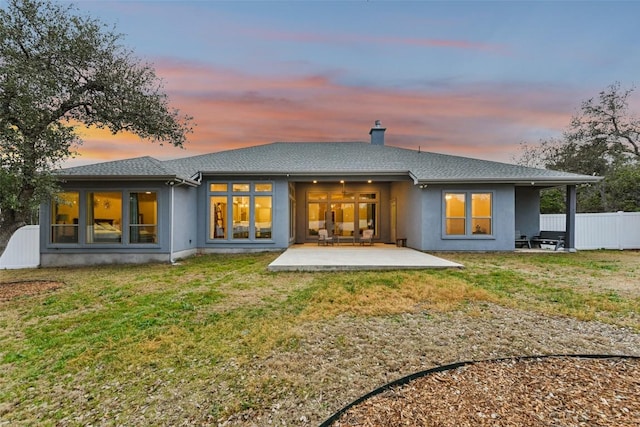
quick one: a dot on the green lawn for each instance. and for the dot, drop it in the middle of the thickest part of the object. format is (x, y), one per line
(214, 339)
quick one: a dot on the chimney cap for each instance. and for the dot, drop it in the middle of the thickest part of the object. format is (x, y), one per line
(377, 127)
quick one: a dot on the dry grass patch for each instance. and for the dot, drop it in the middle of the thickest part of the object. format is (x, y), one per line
(585, 271)
(385, 293)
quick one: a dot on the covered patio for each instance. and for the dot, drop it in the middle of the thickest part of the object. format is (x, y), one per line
(311, 257)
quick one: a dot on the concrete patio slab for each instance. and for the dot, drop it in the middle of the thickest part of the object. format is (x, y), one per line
(376, 257)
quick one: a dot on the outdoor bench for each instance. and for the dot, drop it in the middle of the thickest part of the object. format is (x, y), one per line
(555, 238)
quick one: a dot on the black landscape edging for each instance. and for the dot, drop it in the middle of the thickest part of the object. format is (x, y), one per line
(405, 380)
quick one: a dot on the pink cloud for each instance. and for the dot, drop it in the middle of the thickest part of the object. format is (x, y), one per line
(236, 109)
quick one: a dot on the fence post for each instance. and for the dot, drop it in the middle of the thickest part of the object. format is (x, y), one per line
(619, 229)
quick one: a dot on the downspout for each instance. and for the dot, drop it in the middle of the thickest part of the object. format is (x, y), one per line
(172, 223)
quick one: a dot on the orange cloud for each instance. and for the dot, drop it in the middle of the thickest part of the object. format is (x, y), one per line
(236, 109)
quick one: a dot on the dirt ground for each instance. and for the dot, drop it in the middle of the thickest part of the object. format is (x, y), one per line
(10, 290)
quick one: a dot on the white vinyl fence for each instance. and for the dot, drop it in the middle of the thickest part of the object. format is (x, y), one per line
(618, 230)
(23, 250)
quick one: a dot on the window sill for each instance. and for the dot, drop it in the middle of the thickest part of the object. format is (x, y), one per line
(470, 237)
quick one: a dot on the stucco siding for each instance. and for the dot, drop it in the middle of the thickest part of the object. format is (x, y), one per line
(409, 223)
(501, 238)
(527, 210)
(185, 219)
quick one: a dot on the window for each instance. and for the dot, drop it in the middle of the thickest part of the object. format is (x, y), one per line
(481, 213)
(292, 211)
(64, 217)
(455, 211)
(218, 226)
(245, 212)
(104, 217)
(317, 217)
(241, 188)
(143, 217)
(463, 218)
(241, 217)
(342, 216)
(367, 217)
(218, 186)
(262, 211)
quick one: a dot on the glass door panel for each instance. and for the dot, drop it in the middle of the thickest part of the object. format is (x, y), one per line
(317, 218)
(343, 215)
(367, 219)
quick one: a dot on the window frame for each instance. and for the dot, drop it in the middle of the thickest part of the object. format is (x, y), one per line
(468, 218)
(255, 190)
(60, 230)
(330, 196)
(125, 233)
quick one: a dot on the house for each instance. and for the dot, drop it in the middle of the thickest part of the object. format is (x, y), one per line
(271, 196)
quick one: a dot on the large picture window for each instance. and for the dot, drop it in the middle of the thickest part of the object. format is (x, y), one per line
(105, 217)
(240, 211)
(468, 219)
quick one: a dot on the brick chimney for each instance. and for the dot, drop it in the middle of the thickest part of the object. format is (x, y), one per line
(377, 134)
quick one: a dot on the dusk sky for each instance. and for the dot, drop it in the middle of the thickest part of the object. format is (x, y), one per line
(466, 78)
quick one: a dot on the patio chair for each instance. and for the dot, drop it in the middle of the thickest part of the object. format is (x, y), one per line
(367, 237)
(324, 238)
(522, 240)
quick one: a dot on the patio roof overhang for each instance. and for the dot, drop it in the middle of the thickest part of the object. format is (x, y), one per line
(324, 175)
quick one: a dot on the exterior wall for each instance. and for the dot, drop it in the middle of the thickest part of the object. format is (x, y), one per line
(183, 226)
(409, 213)
(82, 253)
(433, 236)
(185, 219)
(527, 210)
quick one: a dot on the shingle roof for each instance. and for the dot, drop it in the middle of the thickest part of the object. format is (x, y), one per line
(138, 167)
(335, 158)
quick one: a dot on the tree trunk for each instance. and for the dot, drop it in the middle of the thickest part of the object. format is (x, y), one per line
(6, 231)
